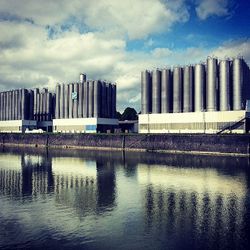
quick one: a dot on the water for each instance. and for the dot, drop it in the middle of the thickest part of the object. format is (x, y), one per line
(110, 200)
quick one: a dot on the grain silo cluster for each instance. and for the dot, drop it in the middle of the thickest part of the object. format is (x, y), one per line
(87, 106)
(85, 99)
(214, 86)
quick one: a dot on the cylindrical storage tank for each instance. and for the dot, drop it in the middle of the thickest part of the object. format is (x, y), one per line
(212, 84)
(188, 89)
(66, 101)
(82, 78)
(70, 100)
(109, 100)
(38, 98)
(36, 91)
(31, 104)
(237, 83)
(58, 92)
(12, 105)
(9, 105)
(177, 90)
(156, 91)
(166, 87)
(5, 105)
(96, 98)
(0, 106)
(80, 101)
(199, 88)
(49, 106)
(62, 101)
(224, 83)
(91, 98)
(86, 99)
(41, 107)
(146, 94)
(113, 101)
(75, 101)
(104, 100)
(53, 105)
(23, 105)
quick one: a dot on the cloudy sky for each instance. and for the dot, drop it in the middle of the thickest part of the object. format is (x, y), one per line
(43, 42)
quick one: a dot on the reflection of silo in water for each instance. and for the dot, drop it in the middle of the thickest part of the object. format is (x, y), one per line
(200, 196)
(27, 175)
(106, 184)
(37, 175)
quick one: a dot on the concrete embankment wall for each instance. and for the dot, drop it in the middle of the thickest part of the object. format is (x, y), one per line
(173, 143)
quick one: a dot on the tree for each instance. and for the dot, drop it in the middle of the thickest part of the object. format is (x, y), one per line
(129, 114)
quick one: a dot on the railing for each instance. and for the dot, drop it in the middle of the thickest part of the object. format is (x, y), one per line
(231, 126)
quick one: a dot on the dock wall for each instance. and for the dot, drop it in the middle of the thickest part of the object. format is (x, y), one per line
(227, 144)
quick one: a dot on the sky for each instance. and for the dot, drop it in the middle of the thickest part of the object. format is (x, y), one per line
(46, 42)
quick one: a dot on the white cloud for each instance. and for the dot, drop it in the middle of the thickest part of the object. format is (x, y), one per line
(207, 8)
(135, 19)
(234, 49)
(161, 52)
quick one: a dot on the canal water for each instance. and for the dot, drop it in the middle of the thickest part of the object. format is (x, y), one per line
(75, 199)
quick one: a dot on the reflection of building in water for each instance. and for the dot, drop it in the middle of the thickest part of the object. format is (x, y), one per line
(197, 201)
(106, 184)
(23, 174)
(77, 183)
(84, 185)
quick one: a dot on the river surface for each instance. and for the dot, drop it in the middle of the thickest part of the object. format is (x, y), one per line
(75, 199)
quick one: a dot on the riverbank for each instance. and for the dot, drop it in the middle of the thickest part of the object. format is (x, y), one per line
(226, 144)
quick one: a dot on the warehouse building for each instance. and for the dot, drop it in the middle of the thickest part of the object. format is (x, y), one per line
(26, 109)
(88, 106)
(204, 98)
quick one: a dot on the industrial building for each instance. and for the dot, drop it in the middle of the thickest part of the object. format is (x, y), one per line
(23, 109)
(207, 97)
(88, 106)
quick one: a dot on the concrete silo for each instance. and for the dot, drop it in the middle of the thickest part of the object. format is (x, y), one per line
(224, 85)
(166, 90)
(199, 87)
(188, 89)
(237, 83)
(212, 84)
(156, 91)
(177, 90)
